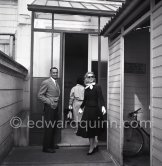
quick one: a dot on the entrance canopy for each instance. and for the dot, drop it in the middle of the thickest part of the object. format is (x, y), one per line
(79, 7)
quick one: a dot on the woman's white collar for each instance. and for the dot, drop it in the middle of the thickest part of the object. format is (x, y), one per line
(90, 85)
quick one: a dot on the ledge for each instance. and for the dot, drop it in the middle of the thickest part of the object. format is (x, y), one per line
(11, 67)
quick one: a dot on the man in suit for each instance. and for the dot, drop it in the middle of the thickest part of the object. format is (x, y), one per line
(49, 94)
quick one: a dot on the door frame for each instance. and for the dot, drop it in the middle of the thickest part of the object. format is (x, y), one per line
(62, 54)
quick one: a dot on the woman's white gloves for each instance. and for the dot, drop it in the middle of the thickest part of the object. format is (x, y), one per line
(103, 110)
(80, 111)
(70, 107)
(70, 115)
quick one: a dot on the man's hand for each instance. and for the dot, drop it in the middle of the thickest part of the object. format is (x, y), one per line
(53, 106)
(103, 110)
(80, 111)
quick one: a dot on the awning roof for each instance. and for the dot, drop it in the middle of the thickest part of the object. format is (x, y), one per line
(130, 9)
(78, 7)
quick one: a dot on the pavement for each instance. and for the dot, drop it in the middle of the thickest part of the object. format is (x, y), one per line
(69, 156)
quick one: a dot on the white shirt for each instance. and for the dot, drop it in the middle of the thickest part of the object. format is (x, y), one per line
(53, 80)
(77, 92)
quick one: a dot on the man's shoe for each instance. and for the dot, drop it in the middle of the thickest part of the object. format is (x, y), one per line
(49, 150)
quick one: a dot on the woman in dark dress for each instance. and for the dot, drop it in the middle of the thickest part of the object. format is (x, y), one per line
(93, 109)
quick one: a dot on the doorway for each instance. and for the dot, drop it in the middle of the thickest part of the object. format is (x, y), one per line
(137, 95)
(76, 61)
(75, 65)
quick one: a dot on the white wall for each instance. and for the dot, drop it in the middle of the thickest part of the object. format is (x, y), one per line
(16, 98)
(8, 16)
(156, 77)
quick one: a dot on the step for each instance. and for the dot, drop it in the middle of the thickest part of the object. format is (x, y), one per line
(69, 156)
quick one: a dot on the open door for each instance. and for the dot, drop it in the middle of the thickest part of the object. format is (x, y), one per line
(75, 65)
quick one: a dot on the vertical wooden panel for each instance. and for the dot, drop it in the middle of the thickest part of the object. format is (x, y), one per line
(8, 18)
(115, 97)
(156, 75)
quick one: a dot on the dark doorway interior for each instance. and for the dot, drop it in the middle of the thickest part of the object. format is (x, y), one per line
(137, 95)
(76, 60)
(76, 65)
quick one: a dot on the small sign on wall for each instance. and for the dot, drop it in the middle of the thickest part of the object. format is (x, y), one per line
(135, 68)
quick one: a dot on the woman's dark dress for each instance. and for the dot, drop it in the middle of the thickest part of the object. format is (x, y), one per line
(90, 125)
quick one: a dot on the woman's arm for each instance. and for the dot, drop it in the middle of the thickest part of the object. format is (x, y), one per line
(101, 100)
(71, 100)
(100, 96)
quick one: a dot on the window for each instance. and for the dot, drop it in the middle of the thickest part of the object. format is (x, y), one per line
(7, 45)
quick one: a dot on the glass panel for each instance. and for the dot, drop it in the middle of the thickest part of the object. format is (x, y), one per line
(93, 54)
(42, 54)
(113, 3)
(64, 4)
(56, 50)
(40, 2)
(4, 48)
(73, 18)
(100, 7)
(77, 5)
(103, 66)
(104, 56)
(89, 6)
(112, 7)
(4, 43)
(94, 47)
(96, 2)
(75, 22)
(43, 20)
(52, 3)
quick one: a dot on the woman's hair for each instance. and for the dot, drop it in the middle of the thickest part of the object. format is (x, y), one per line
(80, 81)
(86, 79)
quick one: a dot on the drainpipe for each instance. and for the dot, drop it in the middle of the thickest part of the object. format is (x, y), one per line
(11, 47)
(122, 16)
